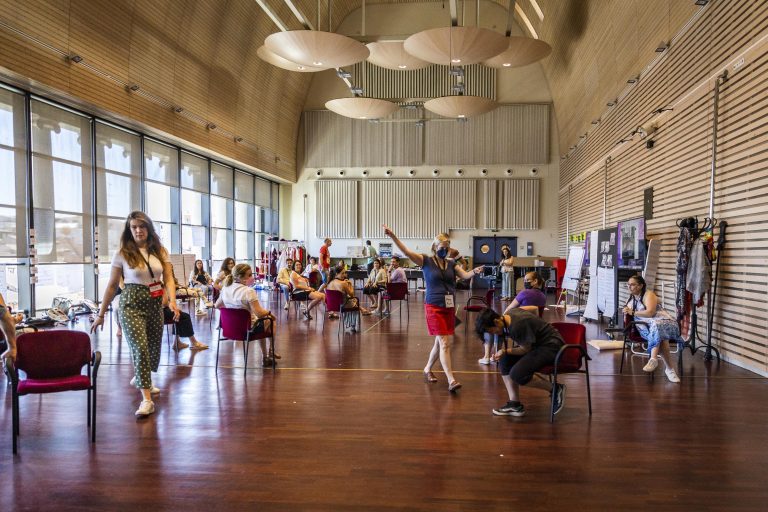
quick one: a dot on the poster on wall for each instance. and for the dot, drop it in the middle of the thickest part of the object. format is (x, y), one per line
(573, 268)
(631, 250)
(591, 311)
(607, 271)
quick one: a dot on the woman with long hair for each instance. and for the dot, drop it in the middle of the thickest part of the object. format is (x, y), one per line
(440, 273)
(142, 263)
(238, 293)
(201, 280)
(507, 272)
(654, 324)
(226, 269)
(303, 290)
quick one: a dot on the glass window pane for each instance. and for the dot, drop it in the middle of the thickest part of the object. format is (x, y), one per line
(275, 223)
(13, 163)
(117, 195)
(275, 196)
(117, 150)
(58, 281)
(161, 162)
(8, 235)
(61, 134)
(193, 241)
(159, 202)
(220, 244)
(220, 212)
(243, 216)
(263, 193)
(244, 187)
(243, 246)
(165, 232)
(221, 180)
(194, 172)
(192, 207)
(258, 219)
(110, 231)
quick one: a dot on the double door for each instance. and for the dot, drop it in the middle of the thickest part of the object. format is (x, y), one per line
(486, 250)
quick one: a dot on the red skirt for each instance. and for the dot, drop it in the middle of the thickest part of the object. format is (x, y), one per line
(440, 321)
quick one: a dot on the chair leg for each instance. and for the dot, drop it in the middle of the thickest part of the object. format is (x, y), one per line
(623, 350)
(218, 345)
(589, 392)
(15, 421)
(246, 346)
(93, 412)
(89, 408)
(552, 401)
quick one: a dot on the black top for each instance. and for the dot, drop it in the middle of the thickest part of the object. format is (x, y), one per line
(528, 330)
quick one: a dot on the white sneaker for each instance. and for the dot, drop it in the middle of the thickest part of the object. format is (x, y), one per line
(651, 366)
(201, 312)
(483, 360)
(286, 306)
(672, 375)
(208, 304)
(154, 390)
(146, 408)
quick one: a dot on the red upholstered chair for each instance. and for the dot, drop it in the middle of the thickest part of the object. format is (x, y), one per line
(235, 325)
(337, 303)
(475, 304)
(570, 358)
(53, 362)
(397, 292)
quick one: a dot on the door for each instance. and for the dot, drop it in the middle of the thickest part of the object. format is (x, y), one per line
(486, 250)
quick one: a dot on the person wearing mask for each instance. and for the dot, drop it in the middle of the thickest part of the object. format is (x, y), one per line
(284, 281)
(372, 254)
(531, 298)
(325, 259)
(142, 262)
(8, 329)
(537, 345)
(303, 291)
(201, 280)
(507, 272)
(654, 324)
(238, 293)
(439, 300)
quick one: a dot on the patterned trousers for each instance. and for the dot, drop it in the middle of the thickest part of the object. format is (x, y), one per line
(142, 319)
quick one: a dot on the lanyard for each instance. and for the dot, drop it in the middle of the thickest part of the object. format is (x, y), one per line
(146, 260)
(443, 278)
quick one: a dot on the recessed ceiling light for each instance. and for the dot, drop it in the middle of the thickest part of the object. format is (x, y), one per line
(455, 61)
(317, 63)
(402, 66)
(462, 115)
(507, 64)
(301, 68)
(363, 117)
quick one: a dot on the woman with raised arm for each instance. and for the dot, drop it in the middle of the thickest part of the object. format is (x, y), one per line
(142, 262)
(439, 300)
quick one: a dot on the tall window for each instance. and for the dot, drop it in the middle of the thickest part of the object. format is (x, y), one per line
(262, 220)
(194, 206)
(161, 202)
(244, 249)
(275, 209)
(61, 180)
(118, 189)
(222, 192)
(13, 202)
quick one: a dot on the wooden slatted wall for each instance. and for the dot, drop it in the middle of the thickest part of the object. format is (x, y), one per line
(336, 209)
(418, 208)
(729, 35)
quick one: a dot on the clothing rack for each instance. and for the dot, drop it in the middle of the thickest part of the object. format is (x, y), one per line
(280, 246)
(696, 230)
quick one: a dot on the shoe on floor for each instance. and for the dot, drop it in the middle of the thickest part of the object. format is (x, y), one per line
(154, 390)
(201, 312)
(180, 345)
(559, 397)
(483, 360)
(267, 362)
(651, 366)
(199, 346)
(146, 408)
(672, 375)
(285, 307)
(510, 409)
(307, 315)
(454, 386)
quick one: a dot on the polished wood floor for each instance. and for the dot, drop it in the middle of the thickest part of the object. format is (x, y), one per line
(348, 424)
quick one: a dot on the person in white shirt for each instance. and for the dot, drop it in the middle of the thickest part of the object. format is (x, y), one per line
(238, 294)
(142, 263)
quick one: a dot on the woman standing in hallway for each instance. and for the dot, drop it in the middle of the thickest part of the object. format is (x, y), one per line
(439, 300)
(142, 262)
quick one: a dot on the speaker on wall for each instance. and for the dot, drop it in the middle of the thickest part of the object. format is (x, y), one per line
(648, 203)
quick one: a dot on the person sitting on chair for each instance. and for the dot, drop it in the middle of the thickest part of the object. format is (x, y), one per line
(654, 324)
(376, 283)
(284, 281)
(396, 274)
(201, 280)
(303, 291)
(529, 299)
(341, 284)
(536, 346)
(238, 294)
(8, 328)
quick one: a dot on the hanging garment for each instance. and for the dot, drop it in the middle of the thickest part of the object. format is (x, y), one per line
(699, 276)
(682, 301)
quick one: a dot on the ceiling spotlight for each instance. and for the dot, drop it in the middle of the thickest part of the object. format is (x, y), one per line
(534, 172)
(401, 66)
(460, 172)
(134, 87)
(319, 173)
(461, 116)
(701, 3)
(76, 59)
(662, 46)
(435, 172)
(596, 121)
(388, 172)
(317, 63)
(506, 64)
(412, 172)
(301, 68)
(341, 172)
(178, 110)
(612, 103)
(211, 126)
(455, 61)
(632, 81)
(508, 172)
(238, 139)
(365, 172)
(484, 172)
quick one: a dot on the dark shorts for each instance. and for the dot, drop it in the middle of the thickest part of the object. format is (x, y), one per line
(300, 295)
(521, 368)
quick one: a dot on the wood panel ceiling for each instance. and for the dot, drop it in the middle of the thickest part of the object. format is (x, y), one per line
(201, 55)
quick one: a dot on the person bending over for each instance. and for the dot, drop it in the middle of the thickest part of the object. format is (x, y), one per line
(536, 346)
(529, 299)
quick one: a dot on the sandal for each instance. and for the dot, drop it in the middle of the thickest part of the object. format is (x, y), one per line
(180, 345)
(429, 377)
(267, 362)
(454, 386)
(273, 355)
(199, 346)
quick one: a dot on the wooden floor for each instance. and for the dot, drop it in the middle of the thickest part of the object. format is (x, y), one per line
(348, 424)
